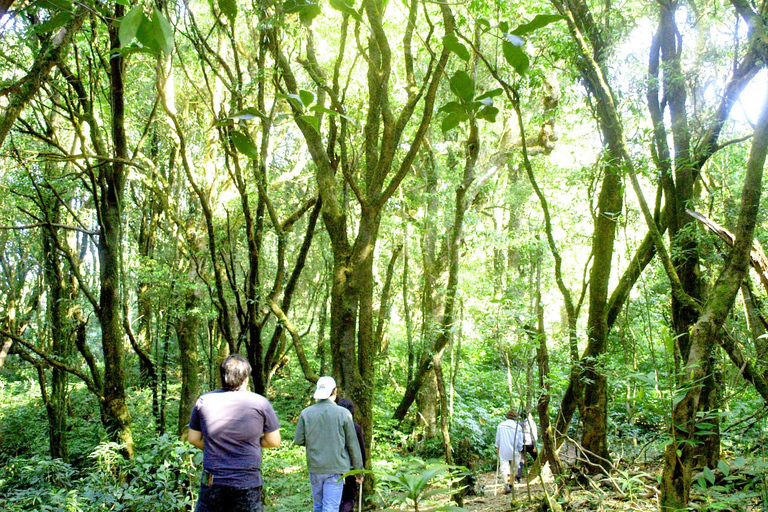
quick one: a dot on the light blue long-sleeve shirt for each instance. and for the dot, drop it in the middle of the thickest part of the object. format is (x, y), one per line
(509, 439)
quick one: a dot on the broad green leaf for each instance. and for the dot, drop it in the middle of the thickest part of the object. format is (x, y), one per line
(248, 113)
(463, 86)
(724, 467)
(709, 475)
(515, 57)
(452, 106)
(488, 114)
(130, 24)
(541, 20)
(319, 108)
(313, 121)
(435, 492)
(309, 13)
(146, 36)
(293, 98)
(306, 97)
(126, 3)
(677, 399)
(452, 120)
(484, 24)
(56, 5)
(229, 9)
(163, 31)
(740, 462)
(504, 26)
(341, 5)
(57, 21)
(490, 94)
(245, 145)
(452, 43)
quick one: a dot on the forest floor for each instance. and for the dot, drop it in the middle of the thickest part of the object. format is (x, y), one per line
(490, 498)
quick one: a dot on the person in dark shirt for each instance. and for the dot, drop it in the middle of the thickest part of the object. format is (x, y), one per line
(349, 494)
(231, 425)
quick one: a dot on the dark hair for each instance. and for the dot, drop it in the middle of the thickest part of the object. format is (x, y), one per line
(511, 414)
(348, 405)
(234, 370)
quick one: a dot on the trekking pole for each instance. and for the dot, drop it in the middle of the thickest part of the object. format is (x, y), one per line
(360, 498)
(496, 482)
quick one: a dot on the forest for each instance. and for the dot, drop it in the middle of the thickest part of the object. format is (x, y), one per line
(453, 208)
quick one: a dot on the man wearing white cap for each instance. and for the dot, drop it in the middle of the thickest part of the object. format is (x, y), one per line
(328, 433)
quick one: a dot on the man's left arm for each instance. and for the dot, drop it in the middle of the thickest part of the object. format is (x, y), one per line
(271, 439)
(353, 447)
(195, 437)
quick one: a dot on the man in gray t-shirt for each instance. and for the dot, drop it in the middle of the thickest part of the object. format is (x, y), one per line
(231, 425)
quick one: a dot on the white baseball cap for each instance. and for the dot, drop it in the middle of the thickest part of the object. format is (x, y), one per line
(325, 387)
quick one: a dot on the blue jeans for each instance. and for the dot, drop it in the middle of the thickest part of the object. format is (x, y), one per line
(222, 498)
(326, 491)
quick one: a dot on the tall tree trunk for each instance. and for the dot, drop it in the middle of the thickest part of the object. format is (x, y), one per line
(188, 334)
(110, 252)
(548, 448)
(679, 454)
(57, 404)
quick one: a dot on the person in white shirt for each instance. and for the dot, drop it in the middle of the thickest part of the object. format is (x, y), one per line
(509, 447)
(530, 438)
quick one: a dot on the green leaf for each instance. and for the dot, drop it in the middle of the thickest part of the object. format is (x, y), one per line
(313, 121)
(490, 94)
(453, 120)
(452, 43)
(295, 99)
(724, 467)
(57, 21)
(504, 26)
(541, 20)
(345, 8)
(320, 108)
(484, 24)
(163, 30)
(463, 86)
(515, 57)
(248, 113)
(678, 398)
(146, 37)
(309, 13)
(488, 114)
(709, 475)
(126, 3)
(452, 106)
(130, 24)
(56, 5)
(245, 145)
(740, 462)
(229, 9)
(306, 97)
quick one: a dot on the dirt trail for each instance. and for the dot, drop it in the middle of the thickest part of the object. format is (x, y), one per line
(491, 497)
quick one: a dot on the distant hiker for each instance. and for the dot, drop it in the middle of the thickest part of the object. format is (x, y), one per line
(231, 425)
(530, 438)
(349, 494)
(328, 433)
(509, 445)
